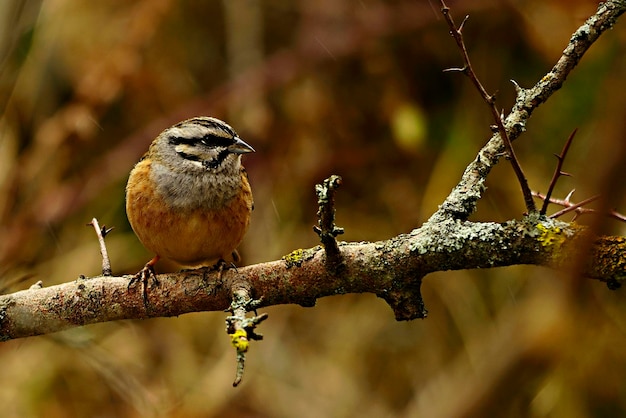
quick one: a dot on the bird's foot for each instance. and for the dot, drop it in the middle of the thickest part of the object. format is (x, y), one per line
(143, 276)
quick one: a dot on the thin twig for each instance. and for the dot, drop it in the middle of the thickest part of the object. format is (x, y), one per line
(574, 206)
(557, 172)
(242, 328)
(457, 34)
(579, 209)
(326, 229)
(616, 215)
(101, 233)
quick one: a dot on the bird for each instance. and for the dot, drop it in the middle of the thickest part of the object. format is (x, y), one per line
(188, 199)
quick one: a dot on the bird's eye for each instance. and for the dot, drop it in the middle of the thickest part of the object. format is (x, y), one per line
(212, 140)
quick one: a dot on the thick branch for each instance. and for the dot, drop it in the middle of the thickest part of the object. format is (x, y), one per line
(388, 269)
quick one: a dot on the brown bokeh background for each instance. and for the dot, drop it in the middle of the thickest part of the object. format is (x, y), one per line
(318, 88)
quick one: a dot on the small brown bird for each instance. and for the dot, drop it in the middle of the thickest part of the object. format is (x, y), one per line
(188, 199)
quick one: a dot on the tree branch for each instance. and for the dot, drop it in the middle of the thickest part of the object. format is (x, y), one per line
(101, 233)
(461, 202)
(490, 100)
(387, 268)
(242, 328)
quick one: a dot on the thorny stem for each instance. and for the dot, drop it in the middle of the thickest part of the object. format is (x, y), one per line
(457, 34)
(579, 209)
(557, 172)
(575, 206)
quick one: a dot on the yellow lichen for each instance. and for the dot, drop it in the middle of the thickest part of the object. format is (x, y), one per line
(552, 236)
(239, 340)
(294, 258)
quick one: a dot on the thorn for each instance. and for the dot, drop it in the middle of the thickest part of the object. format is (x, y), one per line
(565, 173)
(518, 88)
(460, 29)
(105, 231)
(455, 70)
(569, 195)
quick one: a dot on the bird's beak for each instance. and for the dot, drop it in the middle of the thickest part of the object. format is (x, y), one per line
(240, 147)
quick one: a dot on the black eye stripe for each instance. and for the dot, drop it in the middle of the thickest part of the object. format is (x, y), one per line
(216, 140)
(215, 162)
(209, 139)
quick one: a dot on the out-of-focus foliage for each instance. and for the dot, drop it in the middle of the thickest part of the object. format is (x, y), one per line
(318, 88)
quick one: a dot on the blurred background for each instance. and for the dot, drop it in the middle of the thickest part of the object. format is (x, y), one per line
(318, 87)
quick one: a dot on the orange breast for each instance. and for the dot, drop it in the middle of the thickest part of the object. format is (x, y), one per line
(192, 238)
